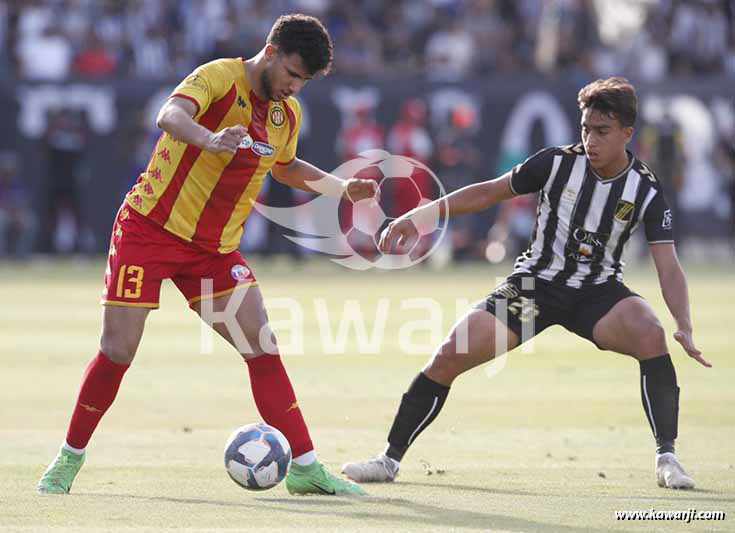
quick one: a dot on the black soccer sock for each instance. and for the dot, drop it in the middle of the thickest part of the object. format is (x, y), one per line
(660, 397)
(419, 407)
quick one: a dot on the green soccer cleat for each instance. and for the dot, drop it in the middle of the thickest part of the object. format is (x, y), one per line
(60, 474)
(314, 479)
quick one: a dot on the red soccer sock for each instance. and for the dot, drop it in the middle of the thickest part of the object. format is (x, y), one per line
(99, 388)
(276, 401)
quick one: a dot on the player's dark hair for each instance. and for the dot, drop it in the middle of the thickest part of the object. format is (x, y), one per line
(306, 36)
(615, 97)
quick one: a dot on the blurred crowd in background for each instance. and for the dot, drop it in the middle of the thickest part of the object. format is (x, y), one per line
(442, 40)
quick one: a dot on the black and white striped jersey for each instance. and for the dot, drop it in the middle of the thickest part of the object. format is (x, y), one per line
(583, 221)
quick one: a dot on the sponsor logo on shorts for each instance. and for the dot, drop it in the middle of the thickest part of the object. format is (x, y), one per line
(263, 149)
(240, 272)
(507, 291)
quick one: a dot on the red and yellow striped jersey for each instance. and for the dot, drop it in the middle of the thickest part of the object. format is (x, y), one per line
(205, 197)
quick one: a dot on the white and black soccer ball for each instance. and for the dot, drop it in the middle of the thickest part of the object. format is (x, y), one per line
(257, 456)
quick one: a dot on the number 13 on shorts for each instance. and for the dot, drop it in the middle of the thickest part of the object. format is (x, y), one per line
(129, 281)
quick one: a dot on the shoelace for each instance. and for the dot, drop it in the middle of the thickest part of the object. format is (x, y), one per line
(65, 466)
(332, 478)
(385, 463)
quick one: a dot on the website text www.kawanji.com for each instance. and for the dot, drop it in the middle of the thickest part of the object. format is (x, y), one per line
(690, 515)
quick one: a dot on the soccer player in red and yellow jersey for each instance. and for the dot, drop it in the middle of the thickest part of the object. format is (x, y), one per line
(224, 128)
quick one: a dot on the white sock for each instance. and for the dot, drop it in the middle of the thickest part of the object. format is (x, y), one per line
(78, 451)
(305, 459)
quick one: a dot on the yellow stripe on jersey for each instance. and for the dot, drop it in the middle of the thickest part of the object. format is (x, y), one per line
(194, 194)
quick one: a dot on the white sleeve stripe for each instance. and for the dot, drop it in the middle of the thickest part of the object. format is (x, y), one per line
(510, 182)
(660, 242)
(649, 198)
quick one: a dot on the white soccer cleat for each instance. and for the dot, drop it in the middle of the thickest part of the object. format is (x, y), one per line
(382, 469)
(670, 474)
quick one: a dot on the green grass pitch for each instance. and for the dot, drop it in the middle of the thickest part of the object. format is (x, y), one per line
(556, 441)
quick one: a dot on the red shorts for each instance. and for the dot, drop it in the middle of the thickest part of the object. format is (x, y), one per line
(143, 254)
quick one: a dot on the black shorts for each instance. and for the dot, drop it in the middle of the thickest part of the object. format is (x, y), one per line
(538, 304)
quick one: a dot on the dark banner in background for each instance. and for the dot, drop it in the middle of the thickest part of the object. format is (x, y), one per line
(87, 142)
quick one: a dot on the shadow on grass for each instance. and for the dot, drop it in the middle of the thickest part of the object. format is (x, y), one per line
(695, 495)
(193, 501)
(470, 488)
(393, 513)
(414, 513)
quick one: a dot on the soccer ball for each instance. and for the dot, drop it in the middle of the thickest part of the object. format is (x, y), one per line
(257, 456)
(404, 184)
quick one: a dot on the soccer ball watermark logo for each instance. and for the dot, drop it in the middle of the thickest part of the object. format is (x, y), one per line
(350, 231)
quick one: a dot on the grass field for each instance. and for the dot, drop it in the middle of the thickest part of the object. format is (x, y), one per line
(557, 441)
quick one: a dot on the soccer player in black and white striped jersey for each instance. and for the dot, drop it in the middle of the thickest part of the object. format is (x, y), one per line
(592, 197)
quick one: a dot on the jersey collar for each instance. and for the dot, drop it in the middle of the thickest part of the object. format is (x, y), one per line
(631, 161)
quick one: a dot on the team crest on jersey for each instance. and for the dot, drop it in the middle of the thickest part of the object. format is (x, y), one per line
(263, 149)
(278, 117)
(623, 211)
(246, 142)
(240, 272)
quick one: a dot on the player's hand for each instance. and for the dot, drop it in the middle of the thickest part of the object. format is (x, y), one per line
(684, 337)
(226, 140)
(399, 236)
(360, 189)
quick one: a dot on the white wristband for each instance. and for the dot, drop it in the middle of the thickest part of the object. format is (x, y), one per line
(329, 186)
(426, 218)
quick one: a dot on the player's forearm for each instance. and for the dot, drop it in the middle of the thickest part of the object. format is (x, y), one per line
(174, 121)
(676, 295)
(305, 176)
(472, 198)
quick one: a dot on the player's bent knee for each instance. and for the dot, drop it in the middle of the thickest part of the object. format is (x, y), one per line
(118, 352)
(651, 338)
(446, 364)
(656, 336)
(118, 348)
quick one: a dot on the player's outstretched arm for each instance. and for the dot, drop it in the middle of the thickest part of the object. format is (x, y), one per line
(674, 288)
(305, 176)
(401, 233)
(176, 119)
